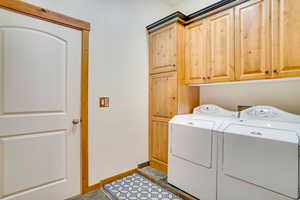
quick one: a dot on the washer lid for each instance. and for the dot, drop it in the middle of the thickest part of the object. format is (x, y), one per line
(191, 121)
(207, 116)
(213, 110)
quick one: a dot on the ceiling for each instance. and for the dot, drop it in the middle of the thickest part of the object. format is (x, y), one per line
(188, 6)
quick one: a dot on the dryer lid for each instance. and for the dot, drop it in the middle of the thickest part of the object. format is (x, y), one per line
(283, 135)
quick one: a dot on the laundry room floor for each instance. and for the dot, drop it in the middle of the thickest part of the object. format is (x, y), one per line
(148, 172)
(96, 195)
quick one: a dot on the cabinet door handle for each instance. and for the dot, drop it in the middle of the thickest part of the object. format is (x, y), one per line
(208, 77)
(161, 66)
(204, 78)
(275, 70)
(267, 72)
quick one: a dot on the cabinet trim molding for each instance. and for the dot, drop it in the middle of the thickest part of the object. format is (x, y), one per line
(198, 15)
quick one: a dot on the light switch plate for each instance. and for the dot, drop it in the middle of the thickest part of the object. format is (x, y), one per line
(104, 102)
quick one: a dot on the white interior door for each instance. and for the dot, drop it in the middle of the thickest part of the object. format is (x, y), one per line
(40, 72)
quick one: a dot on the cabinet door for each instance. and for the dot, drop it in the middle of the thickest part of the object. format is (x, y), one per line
(163, 50)
(286, 34)
(163, 101)
(220, 66)
(196, 52)
(252, 40)
(159, 138)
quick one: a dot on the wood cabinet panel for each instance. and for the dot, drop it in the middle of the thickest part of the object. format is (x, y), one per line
(220, 67)
(163, 50)
(196, 52)
(159, 140)
(168, 94)
(164, 94)
(252, 40)
(286, 38)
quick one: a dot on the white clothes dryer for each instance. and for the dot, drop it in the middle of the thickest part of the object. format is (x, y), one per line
(192, 159)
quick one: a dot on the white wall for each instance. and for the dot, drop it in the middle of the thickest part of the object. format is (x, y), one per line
(284, 95)
(189, 6)
(118, 69)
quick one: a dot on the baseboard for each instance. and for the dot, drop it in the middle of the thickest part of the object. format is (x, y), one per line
(91, 188)
(144, 164)
(118, 176)
(97, 186)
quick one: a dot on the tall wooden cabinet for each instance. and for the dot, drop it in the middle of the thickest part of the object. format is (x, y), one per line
(163, 50)
(168, 93)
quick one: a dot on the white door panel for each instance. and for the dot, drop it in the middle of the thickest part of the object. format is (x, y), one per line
(20, 59)
(33, 160)
(43, 122)
(40, 75)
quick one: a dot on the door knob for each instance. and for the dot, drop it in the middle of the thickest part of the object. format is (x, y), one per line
(76, 121)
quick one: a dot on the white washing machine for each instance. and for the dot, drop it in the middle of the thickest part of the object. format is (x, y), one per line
(192, 164)
(258, 156)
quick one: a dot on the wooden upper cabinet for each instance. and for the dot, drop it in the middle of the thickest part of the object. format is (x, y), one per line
(252, 49)
(286, 34)
(220, 66)
(163, 50)
(210, 49)
(163, 95)
(196, 52)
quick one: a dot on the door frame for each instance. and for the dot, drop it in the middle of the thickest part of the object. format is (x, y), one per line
(84, 27)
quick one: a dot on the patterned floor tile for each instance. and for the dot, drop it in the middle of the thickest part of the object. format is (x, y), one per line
(148, 171)
(137, 187)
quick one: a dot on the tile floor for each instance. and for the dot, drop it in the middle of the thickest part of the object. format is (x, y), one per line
(155, 175)
(136, 186)
(96, 195)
